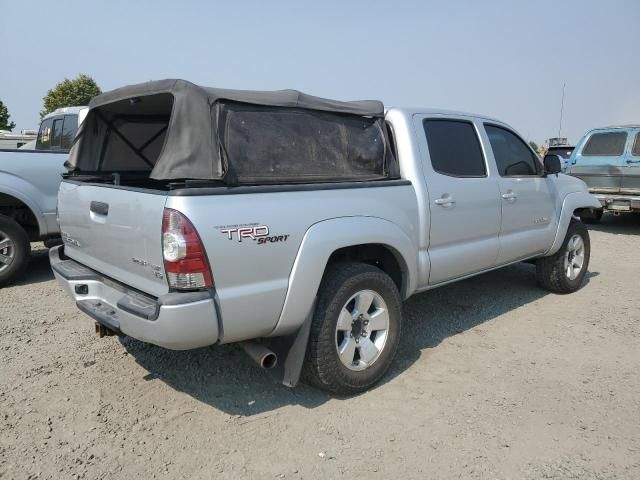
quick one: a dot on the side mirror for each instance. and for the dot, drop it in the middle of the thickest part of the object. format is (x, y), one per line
(552, 164)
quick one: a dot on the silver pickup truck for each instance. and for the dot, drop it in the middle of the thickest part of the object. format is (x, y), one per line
(297, 225)
(29, 181)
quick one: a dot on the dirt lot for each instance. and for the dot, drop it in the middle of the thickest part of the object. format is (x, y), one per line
(495, 378)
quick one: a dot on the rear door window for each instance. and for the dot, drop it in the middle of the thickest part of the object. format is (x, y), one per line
(606, 144)
(454, 148)
(56, 138)
(43, 142)
(635, 151)
(513, 157)
(69, 131)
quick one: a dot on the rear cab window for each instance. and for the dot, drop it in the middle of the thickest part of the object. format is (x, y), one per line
(56, 136)
(513, 156)
(454, 148)
(69, 128)
(605, 144)
(603, 147)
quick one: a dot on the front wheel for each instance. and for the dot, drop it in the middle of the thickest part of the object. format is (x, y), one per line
(355, 329)
(564, 271)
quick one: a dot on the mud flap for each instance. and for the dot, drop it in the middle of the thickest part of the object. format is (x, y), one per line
(291, 351)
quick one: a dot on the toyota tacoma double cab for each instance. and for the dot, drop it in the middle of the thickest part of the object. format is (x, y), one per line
(296, 225)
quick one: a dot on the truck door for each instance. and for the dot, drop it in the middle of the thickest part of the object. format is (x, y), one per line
(630, 182)
(527, 198)
(463, 198)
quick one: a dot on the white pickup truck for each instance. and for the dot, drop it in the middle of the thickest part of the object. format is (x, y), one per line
(296, 225)
(29, 181)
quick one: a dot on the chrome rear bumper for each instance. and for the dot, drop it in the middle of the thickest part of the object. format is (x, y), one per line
(178, 321)
(617, 202)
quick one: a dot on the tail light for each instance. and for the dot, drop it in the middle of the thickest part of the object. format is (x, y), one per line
(185, 260)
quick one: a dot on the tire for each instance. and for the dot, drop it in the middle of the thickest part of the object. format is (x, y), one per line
(15, 250)
(553, 272)
(591, 216)
(344, 287)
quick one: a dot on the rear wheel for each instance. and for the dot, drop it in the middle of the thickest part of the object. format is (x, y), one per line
(355, 329)
(15, 249)
(564, 271)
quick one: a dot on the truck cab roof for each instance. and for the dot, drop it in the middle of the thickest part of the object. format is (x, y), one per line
(65, 111)
(410, 111)
(630, 125)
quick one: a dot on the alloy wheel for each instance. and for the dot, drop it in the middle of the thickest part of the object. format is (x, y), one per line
(7, 251)
(574, 257)
(362, 330)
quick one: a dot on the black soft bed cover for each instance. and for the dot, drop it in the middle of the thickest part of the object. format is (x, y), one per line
(177, 130)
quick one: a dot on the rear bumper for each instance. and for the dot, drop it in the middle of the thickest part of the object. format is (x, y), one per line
(618, 202)
(178, 321)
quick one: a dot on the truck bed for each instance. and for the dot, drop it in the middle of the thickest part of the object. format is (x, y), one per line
(250, 273)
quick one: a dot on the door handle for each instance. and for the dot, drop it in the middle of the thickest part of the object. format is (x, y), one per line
(510, 195)
(99, 208)
(633, 161)
(445, 201)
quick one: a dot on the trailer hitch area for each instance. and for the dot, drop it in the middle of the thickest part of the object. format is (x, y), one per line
(102, 331)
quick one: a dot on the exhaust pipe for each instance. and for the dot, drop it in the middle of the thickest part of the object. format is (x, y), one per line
(260, 354)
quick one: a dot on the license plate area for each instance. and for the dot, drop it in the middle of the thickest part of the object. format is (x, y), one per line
(620, 205)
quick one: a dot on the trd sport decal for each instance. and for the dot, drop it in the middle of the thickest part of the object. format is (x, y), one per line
(273, 239)
(251, 231)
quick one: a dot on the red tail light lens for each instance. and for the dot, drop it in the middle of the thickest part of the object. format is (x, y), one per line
(185, 260)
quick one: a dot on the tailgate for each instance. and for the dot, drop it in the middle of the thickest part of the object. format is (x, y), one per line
(115, 231)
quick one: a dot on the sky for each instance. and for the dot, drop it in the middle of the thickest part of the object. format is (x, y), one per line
(505, 59)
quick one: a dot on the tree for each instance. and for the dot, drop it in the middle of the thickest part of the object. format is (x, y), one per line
(4, 118)
(69, 93)
(534, 145)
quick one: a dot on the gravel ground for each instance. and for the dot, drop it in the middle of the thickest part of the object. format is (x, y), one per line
(495, 378)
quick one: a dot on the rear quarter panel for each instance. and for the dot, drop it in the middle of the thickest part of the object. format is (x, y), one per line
(252, 277)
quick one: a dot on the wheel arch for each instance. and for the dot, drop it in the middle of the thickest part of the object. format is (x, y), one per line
(572, 204)
(382, 256)
(369, 239)
(17, 207)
